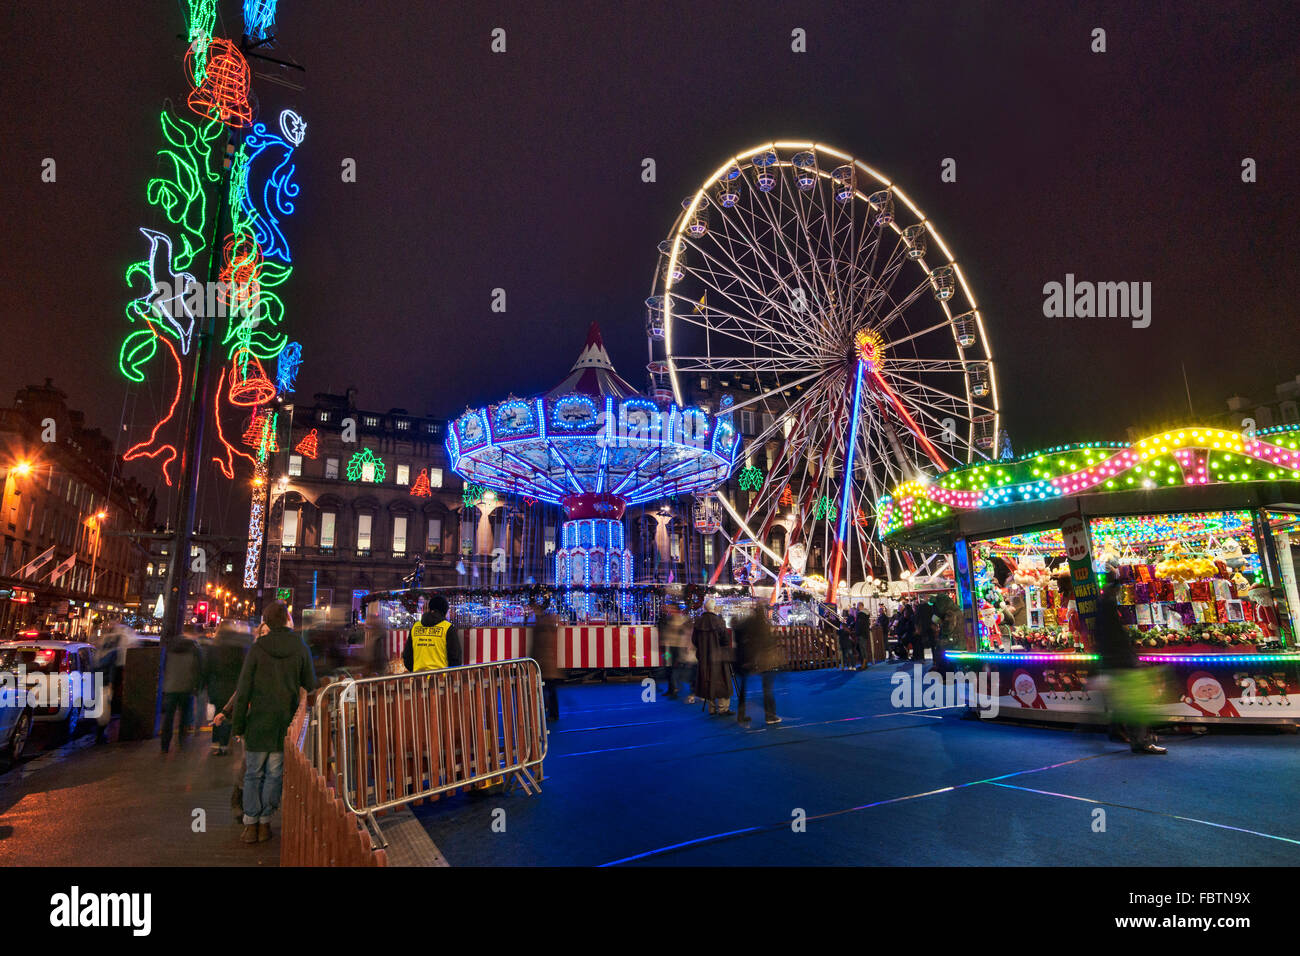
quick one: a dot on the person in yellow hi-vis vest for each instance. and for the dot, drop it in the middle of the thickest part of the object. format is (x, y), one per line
(432, 644)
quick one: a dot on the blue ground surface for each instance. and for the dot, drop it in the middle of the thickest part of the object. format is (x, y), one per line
(661, 783)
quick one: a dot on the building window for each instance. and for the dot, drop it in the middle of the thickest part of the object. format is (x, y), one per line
(746, 422)
(295, 466)
(403, 474)
(331, 467)
(371, 421)
(435, 535)
(708, 550)
(431, 428)
(399, 534)
(363, 532)
(324, 416)
(435, 477)
(289, 532)
(327, 530)
(401, 425)
(704, 384)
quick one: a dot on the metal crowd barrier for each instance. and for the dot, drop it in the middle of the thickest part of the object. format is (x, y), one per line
(316, 829)
(396, 739)
(806, 648)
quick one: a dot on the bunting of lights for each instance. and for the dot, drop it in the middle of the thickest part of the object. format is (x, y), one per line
(1179, 457)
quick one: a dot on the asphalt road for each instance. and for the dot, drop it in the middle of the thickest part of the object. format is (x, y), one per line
(643, 783)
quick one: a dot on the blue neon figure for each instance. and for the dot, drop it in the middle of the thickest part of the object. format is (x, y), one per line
(278, 189)
(259, 17)
(286, 369)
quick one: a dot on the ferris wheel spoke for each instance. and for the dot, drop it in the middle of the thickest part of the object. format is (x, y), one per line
(756, 338)
(767, 272)
(724, 279)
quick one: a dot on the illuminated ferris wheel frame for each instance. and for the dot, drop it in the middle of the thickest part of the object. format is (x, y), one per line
(816, 354)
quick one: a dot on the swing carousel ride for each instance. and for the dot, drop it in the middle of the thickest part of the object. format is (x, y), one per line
(593, 446)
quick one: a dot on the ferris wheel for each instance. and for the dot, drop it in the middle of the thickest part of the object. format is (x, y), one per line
(806, 278)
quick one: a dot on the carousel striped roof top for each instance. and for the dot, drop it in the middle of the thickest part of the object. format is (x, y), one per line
(593, 373)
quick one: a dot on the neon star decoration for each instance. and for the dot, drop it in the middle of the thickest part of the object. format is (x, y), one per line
(357, 466)
(421, 487)
(223, 92)
(1181, 457)
(750, 478)
(308, 447)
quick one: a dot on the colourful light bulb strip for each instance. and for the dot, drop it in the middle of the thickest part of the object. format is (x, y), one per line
(991, 656)
(1188, 456)
(1220, 658)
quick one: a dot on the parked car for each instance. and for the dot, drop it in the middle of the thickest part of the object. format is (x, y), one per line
(42, 655)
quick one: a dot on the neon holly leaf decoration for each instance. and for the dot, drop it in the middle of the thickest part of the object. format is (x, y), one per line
(357, 466)
(750, 478)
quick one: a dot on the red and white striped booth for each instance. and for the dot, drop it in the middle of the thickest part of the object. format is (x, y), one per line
(609, 645)
(485, 645)
(580, 645)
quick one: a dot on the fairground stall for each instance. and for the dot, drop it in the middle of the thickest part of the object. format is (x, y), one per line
(1195, 524)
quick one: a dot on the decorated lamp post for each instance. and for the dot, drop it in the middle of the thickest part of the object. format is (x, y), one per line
(226, 220)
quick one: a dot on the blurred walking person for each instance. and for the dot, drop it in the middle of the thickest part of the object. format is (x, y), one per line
(756, 653)
(276, 675)
(182, 674)
(684, 660)
(1127, 693)
(221, 678)
(546, 651)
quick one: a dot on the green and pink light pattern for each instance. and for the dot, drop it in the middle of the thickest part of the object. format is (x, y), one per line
(1177, 457)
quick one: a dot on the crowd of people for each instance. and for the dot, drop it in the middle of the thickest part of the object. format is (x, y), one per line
(711, 663)
(917, 626)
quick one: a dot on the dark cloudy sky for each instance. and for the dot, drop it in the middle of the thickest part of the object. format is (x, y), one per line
(522, 171)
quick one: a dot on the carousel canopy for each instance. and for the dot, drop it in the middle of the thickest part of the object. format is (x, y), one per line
(593, 438)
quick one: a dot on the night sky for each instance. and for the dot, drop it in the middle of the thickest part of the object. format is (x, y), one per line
(522, 171)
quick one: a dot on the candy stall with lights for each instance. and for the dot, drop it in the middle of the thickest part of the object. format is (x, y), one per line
(1196, 527)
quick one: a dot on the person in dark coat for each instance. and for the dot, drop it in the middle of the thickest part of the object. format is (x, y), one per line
(714, 650)
(756, 653)
(862, 631)
(546, 651)
(225, 661)
(275, 676)
(182, 674)
(1118, 658)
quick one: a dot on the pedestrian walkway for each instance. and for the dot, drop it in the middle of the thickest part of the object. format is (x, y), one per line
(125, 804)
(633, 782)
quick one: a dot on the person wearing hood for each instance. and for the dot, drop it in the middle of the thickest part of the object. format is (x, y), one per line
(182, 673)
(275, 675)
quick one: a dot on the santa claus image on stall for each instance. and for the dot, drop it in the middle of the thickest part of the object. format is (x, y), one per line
(1024, 690)
(1206, 694)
